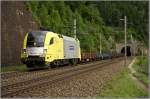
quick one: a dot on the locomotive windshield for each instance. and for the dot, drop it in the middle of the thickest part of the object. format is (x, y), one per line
(36, 39)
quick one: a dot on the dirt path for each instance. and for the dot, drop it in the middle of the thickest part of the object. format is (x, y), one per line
(135, 78)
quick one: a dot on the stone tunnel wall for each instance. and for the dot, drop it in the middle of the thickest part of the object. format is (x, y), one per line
(133, 48)
(16, 21)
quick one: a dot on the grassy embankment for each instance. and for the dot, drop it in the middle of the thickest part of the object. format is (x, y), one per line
(123, 86)
(14, 68)
(141, 67)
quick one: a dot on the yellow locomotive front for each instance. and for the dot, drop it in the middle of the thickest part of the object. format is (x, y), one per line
(33, 49)
(39, 48)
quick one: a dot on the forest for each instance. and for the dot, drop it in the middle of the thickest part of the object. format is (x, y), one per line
(95, 20)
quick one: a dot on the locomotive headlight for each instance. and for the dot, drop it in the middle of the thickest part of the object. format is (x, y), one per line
(24, 51)
(44, 51)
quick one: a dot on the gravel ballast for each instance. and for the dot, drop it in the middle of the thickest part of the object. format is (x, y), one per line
(89, 84)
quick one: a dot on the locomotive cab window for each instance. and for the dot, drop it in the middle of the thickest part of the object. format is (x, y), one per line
(51, 41)
(36, 39)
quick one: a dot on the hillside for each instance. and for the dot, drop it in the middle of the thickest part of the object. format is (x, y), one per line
(16, 21)
(94, 18)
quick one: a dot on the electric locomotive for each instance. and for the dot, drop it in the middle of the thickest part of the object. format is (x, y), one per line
(46, 48)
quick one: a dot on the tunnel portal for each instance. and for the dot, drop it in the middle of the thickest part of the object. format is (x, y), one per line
(128, 50)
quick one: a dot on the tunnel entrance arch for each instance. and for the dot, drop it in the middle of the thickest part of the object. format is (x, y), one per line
(128, 50)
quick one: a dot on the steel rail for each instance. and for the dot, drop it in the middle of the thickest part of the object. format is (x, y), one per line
(52, 78)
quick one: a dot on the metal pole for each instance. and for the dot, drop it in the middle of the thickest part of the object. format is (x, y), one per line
(142, 55)
(142, 49)
(74, 28)
(125, 30)
(132, 51)
(100, 43)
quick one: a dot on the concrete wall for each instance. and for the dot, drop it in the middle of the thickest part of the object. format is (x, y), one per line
(16, 21)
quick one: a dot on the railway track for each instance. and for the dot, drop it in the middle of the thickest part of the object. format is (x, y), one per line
(23, 76)
(9, 75)
(13, 74)
(18, 77)
(13, 89)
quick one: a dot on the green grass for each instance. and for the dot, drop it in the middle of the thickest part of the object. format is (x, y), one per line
(123, 86)
(141, 67)
(14, 68)
(142, 77)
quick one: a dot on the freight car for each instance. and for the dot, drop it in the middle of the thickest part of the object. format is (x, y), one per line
(45, 48)
(85, 57)
(91, 56)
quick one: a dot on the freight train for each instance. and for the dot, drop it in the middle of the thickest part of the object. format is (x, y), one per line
(48, 49)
